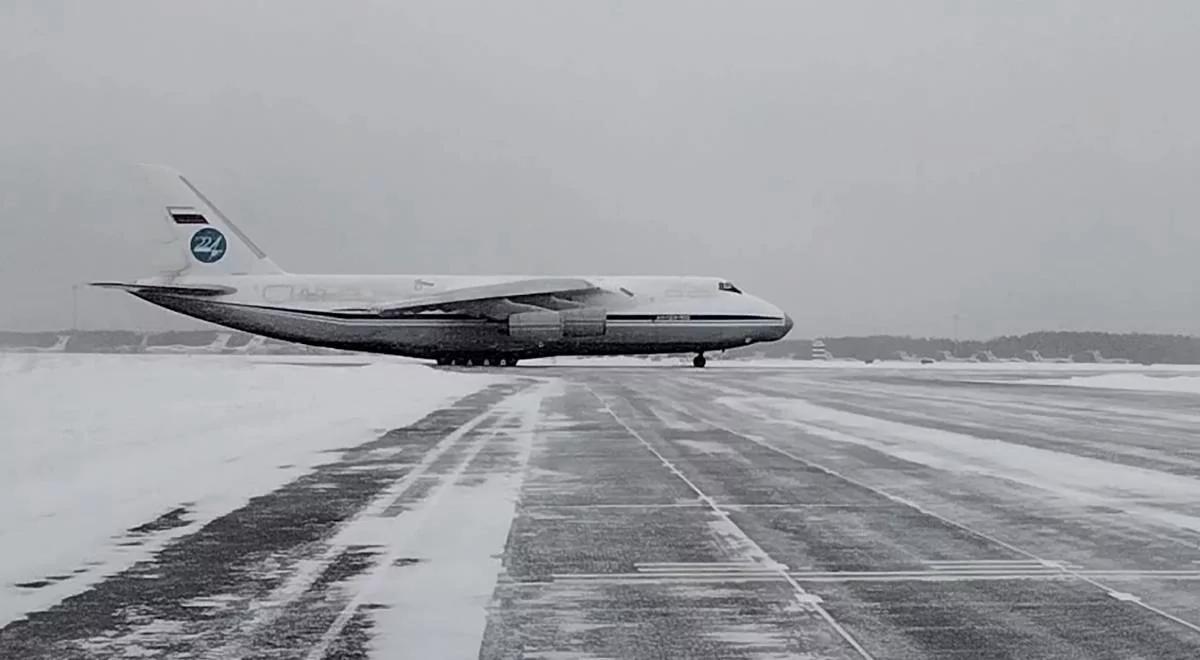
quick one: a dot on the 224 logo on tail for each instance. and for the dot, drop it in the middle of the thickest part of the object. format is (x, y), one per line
(208, 245)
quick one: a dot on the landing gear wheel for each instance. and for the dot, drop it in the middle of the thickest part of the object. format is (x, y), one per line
(699, 361)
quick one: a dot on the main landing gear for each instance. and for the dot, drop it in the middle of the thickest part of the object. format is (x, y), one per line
(699, 361)
(477, 361)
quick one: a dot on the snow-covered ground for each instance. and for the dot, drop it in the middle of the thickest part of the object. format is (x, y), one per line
(720, 362)
(94, 445)
(1005, 368)
(1129, 381)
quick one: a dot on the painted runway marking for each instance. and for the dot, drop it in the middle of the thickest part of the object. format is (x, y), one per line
(760, 556)
(709, 572)
(648, 505)
(948, 521)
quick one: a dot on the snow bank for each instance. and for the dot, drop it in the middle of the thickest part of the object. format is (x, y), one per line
(94, 445)
(1126, 381)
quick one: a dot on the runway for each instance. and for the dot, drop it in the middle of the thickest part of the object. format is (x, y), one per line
(720, 513)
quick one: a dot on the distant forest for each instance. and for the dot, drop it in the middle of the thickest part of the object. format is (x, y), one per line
(1141, 348)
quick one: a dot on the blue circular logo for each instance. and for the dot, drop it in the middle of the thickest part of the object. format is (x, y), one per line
(208, 245)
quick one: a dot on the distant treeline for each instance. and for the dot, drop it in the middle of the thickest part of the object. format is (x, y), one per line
(1137, 347)
(1141, 348)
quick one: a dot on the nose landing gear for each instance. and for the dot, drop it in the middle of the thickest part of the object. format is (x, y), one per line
(699, 361)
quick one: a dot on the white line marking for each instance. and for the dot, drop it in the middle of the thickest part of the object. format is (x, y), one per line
(966, 528)
(806, 575)
(996, 562)
(710, 571)
(721, 574)
(801, 594)
(674, 505)
(657, 565)
(700, 578)
(807, 505)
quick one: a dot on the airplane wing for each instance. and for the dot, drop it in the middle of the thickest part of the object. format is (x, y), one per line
(494, 301)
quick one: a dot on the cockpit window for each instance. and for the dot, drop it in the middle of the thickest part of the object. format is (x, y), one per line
(728, 286)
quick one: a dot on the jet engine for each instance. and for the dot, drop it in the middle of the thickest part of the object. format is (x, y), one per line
(552, 326)
(585, 322)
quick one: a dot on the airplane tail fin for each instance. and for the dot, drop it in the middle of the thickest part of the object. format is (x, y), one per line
(202, 241)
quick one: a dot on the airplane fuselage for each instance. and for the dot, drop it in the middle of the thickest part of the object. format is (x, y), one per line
(640, 315)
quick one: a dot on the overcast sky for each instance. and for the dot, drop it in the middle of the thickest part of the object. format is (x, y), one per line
(869, 166)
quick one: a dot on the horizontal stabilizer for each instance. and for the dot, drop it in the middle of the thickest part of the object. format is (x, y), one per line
(187, 290)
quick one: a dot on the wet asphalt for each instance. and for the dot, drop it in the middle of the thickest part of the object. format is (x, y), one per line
(679, 513)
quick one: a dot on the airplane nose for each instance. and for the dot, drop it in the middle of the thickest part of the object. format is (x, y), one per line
(787, 324)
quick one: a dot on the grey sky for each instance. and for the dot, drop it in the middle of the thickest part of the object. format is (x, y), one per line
(872, 167)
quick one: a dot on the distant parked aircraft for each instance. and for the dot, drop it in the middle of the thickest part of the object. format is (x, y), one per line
(255, 345)
(820, 352)
(947, 356)
(1034, 356)
(1095, 356)
(217, 346)
(988, 356)
(60, 345)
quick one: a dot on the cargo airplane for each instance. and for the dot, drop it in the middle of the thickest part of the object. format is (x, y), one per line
(212, 271)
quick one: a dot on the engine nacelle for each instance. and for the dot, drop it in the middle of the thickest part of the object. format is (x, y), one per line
(586, 322)
(553, 326)
(539, 326)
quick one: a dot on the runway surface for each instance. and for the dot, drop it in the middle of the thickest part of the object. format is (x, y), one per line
(671, 513)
